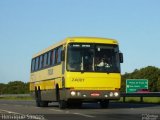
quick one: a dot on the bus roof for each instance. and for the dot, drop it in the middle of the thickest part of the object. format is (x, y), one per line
(92, 40)
(79, 40)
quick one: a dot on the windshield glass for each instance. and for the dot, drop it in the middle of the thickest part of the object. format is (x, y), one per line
(93, 58)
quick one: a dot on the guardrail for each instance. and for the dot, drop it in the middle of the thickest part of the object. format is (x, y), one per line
(15, 95)
(141, 95)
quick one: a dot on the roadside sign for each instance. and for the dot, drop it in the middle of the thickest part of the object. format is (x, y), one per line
(132, 85)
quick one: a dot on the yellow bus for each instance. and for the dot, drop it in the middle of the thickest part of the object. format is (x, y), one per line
(77, 70)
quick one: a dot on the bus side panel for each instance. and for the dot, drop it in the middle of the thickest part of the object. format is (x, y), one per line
(46, 80)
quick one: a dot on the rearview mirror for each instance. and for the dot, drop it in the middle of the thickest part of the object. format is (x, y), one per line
(121, 57)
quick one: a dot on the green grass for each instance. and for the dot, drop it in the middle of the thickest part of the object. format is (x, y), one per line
(145, 99)
(16, 98)
(152, 100)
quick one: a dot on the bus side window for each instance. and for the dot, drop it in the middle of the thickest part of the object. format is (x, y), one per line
(41, 62)
(45, 60)
(49, 58)
(52, 57)
(59, 54)
(33, 65)
(56, 55)
(37, 63)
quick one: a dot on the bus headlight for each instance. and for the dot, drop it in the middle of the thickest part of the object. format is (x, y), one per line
(73, 93)
(116, 94)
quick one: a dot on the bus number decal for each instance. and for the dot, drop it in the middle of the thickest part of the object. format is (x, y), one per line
(77, 79)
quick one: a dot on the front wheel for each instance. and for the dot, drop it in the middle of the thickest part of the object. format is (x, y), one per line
(39, 102)
(38, 97)
(62, 104)
(74, 104)
(104, 103)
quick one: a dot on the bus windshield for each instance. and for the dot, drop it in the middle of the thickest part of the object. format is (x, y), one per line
(93, 58)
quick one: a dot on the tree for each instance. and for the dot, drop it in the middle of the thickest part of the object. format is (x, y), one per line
(14, 87)
(2, 88)
(26, 87)
(151, 73)
(158, 84)
(123, 82)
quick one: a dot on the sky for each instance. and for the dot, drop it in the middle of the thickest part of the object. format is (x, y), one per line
(29, 26)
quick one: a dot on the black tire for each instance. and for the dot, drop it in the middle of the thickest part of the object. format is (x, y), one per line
(57, 94)
(37, 97)
(44, 103)
(73, 104)
(104, 103)
(62, 103)
(78, 104)
(39, 102)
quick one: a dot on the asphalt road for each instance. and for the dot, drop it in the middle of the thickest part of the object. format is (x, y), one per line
(26, 110)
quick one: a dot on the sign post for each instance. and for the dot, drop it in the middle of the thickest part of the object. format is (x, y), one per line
(132, 85)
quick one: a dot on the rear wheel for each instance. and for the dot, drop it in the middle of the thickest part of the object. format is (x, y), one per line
(39, 102)
(74, 104)
(104, 103)
(37, 97)
(62, 104)
(44, 103)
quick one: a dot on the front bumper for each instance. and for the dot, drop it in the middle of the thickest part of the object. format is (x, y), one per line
(92, 94)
